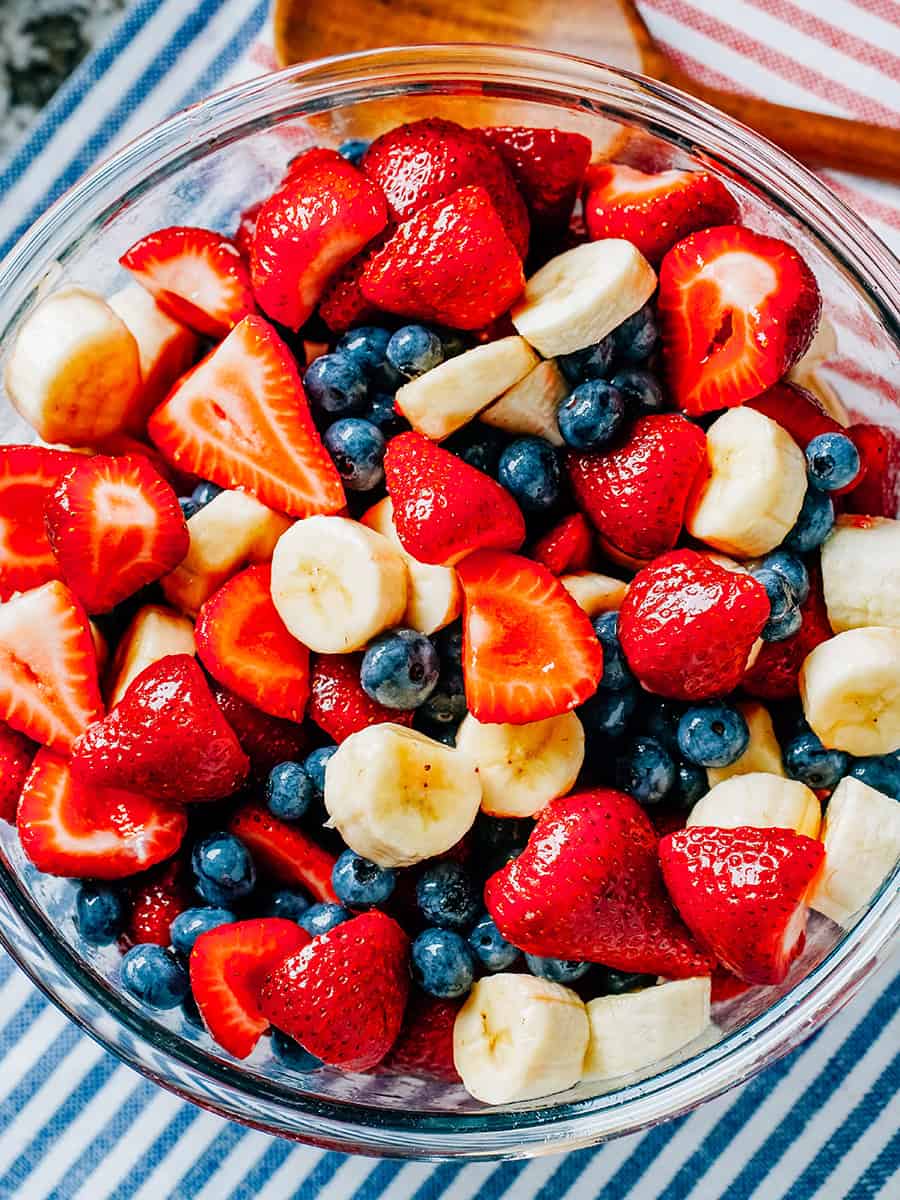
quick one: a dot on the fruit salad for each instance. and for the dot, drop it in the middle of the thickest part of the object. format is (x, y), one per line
(448, 628)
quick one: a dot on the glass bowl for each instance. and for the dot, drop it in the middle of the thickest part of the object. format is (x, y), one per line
(204, 166)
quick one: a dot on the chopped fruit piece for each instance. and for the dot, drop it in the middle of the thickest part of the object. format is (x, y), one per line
(284, 852)
(796, 410)
(243, 235)
(28, 475)
(16, 754)
(343, 303)
(726, 986)
(157, 903)
(531, 405)
(849, 688)
(861, 573)
(166, 347)
(567, 547)
(267, 741)
(154, 632)
(338, 704)
(878, 493)
(775, 674)
(548, 166)
(424, 1048)
(595, 593)
(760, 799)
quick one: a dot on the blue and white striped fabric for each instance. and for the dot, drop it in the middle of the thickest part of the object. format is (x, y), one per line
(76, 1125)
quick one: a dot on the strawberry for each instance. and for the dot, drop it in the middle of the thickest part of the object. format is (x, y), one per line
(687, 625)
(343, 996)
(795, 410)
(636, 494)
(737, 310)
(120, 444)
(195, 275)
(742, 893)
(653, 212)
(775, 675)
(878, 492)
(265, 740)
(529, 652)
(242, 642)
(166, 737)
(229, 966)
(115, 525)
(568, 546)
(451, 263)
(69, 827)
(425, 161)
(243, 235)
(157, 902)
(16, 755)
(48, 666)
(241, 419)
(321, 215)
(284, 852)
(588, 886)
(424, 1047)
(343, 303)
(28, 475)
(548, 166)
(338, 704)
(726, 986)
(444, 508)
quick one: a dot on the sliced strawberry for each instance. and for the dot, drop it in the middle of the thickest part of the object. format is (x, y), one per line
(229, 966)
(157, 902)
(737, 310)
(28, 475)
(246, 230)
(16, 755)
(548, 167)
(726, 986)
(241, 420)
(266, 740)
(343, 303)
(119, 444)
(796, 410)
(338, 704)
(285, 853)
(424, 1047)
(567, 547)
(195, 275)
(775, 674)
(878, 493)
(67, 827)
(529, 652)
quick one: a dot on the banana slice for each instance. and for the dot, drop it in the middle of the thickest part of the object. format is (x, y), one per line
(447, 397)
(518, 1038)
(861, 573)
(761, 800)
(595, 593)
(523, 767)
(580, 296)
(763, 751)
(397, 797)
(639, 1029)
(530, 406)
(74, 369)
(823, 346)
(862, 843)
(154, 632)
(755, 488)
(850, 688)
(166, 349)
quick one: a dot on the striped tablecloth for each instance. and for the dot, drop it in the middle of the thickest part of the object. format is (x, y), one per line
(821, 1122)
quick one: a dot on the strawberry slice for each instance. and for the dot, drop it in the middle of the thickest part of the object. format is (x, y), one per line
(653, 212)
(568, 546)
(284, 852)
(737, 310)
(246, 229)
(115, 525)
(242, 642)
(548, 167)
(16, 755)
(424, 1048)
(229, 966)
(266, 740)
(157, 902)
(795, 410)
(338, 704)
(68, 827)
(241, 419)
(529, 652)
(28, 475)
(878, 492)
(743, 894)
(775, 674)
(343, 303)
(48, 666)
(195, 275)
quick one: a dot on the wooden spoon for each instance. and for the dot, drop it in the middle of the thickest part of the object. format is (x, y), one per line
(611, 31)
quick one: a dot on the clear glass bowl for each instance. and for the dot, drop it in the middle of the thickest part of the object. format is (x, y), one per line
(204, 166)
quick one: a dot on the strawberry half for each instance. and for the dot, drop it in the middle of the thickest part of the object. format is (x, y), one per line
(284, 852)
(796, 410)
(737, 310)
(529, 652)
(241, 419)
(266, 740)
(343, 303)
(229, 966)
(775, 674)
(68, 827)
(195, 275)
(878, 493)
(16, 755)
(548, 167)
(157, 902)
(568, 546)
(28, 475)
(743, 893)
(424, 1047)
(338, 704)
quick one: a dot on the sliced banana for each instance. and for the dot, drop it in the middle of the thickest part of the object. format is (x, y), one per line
(862, 843)
(523, 767)
(755, 488)
(850, 687)
(861, 573)
(530, 406)
(518, 1038)
(762, 801)
(823, 346)
(580, 296)
(595, 593)
(154, 632)
(397, 797)
(165, 347)
(763, 751)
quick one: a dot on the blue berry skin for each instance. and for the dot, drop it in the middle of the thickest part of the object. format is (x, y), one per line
(646, 771)
(776, 630)
(453, 342)
(607, 714)
(662, 723)
(319, 918)
(155, 976)
(593, 362)
(447, 896)
(413, 350)
(690, 784)
(442, 963)
(291, 1054)
(315, 763)
(188, 506)
(99, 914)
(365, 346)
(287, 903)
(779, 591)
(188, 926)
(400, 669)
(223, 869)
(191, 1012)
(491, 948)
(616, 672)
(204, 492)
(289, 791)
(591, 416)
(637, 337)
(881, 773)
(529, 470)
(813, 525)
(615, 983)
(832, 462)
(336, 387)
(557, 970)
(642, 391)
(792, 569)
(806, 759)
(384, 416)
(713, 735)
(446, 706)
(360, 883)
(502, 833)
(353, 150)
(357, 450)
(478, 445)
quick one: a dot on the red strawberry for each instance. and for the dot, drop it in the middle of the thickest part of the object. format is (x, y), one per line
(567, 547)
(241, 419)
(451, 262)
(737, 310)
(28, 475)
(742, 893)
(166, 737)
(796, 410)
(343, 996)
(726, 986)
(588, 886)
(322, 214)
(636, 494)
(243, 235)
(68, 827)
(265, 740)
(343, 303)
(195, 275)
(338, 705)
(229, 966)
(548, 166)
(115, 525)
(284, 852)
(119, 444)
(16, 755)
(654, 211)
(444, 508)
(48, 666)
(687, 625)
(529, 652)
(878, 493)
(424, 1048)
(776, 672)
(157, 902)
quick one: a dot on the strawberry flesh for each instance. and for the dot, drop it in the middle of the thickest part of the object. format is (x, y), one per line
(338, 704)
(568, 546)
(424, 1048)
(157, 902)
(284, 852)
(16, 755)
(266, 740)
(795, 410)
(548, 167)
(28, 475)
(878, 492)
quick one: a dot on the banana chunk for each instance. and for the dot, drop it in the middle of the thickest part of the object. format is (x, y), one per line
(861, 573)
(154, 632)
(166, 348)
(518, 1038)
(530, 406)
(760, 800)
(595, 593)
(755, 488)
(850, 688)
(763, 751)
(397, 797)
(823, 346)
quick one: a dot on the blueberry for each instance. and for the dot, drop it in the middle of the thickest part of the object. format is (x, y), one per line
(478, 445)
(99, 914)
(832, 462)
(557, 970)
(287, 903)
(713, 735)
(289, 791)
(502, 833)
(188, 506)
(646, 771)
(616, 672)
(446, 706)
(662, 722)
(315, 763)
(366, 346)
(204, 492)
(447, 896)
(615, 983)
(155, 976)
(449, 642)
(607, 714)
(188, 925)
(593, 362)
(453, 342)
(400, 669)
(336, 387)
(813, 525)
(191, 1012)
(636, 338)
(529, 469)
(357, 450)
(223, 868)
(881, 773)
(490, 947)
(319, 918)
(361, 883)
(353, 150)
(778, 590)
(384, 416)
(642, 391)
(442, 963)
(690, 784)
(806, 759)
(777, 629)
(792, 569)
(413, 350)
(291, 1054)
(591, 416)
